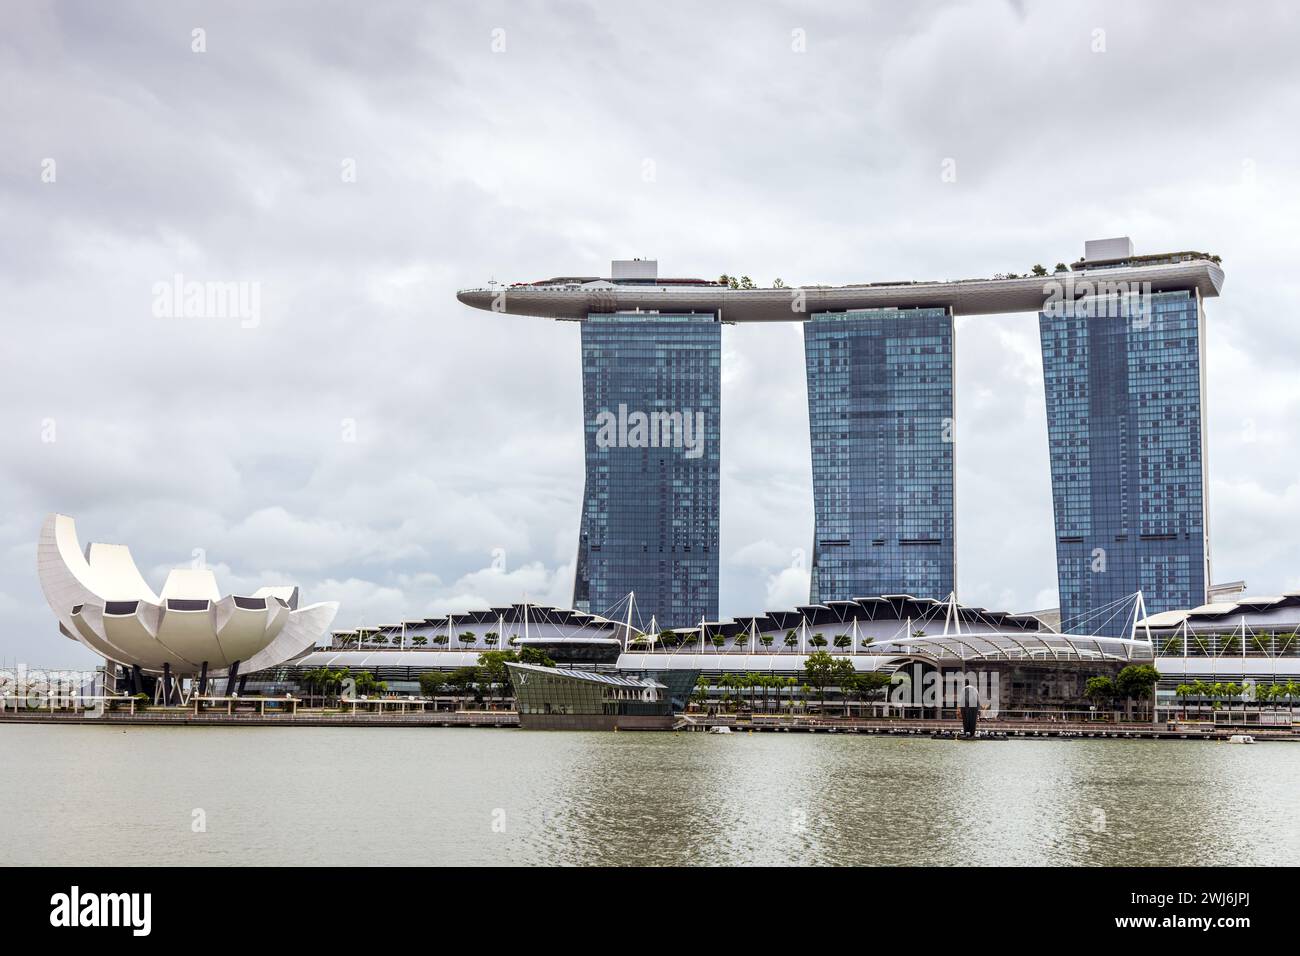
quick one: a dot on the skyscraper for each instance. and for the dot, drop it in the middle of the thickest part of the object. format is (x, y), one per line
(1124, 380)
(1124, 407)
(651, 389)
(880, 414)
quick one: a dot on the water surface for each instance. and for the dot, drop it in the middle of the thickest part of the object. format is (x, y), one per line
(95, 794)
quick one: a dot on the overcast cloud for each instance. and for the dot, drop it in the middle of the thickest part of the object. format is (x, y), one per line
(462, 485)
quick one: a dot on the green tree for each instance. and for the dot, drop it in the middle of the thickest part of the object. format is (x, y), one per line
(818, 640)
(492, 667)
(1061, 267)
(873, 684)
(1232, 692)
(311, 679)
(533, 655)
(700, 694)
(431, 682)
(1039, 269)
(791, 638)
(819, 670)
(491, 638)
(367, 686)
(765, 640)
(465, 681)
(466, 638)
(420, 640)
(771, 682)
(1137, 682)
(1099, 690)
(1202, 690)
(846, 678)
(843, 640)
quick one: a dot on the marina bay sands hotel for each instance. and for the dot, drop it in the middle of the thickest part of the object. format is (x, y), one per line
(1123, 350)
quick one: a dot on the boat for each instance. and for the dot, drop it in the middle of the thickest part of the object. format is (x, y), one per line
(1241, 739)
(720, 729)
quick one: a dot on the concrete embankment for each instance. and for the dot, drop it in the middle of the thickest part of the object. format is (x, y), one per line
(187, 718)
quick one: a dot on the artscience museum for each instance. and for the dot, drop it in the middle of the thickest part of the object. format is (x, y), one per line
(152, 640)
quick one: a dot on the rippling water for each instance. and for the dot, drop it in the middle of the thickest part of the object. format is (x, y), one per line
(465, 796)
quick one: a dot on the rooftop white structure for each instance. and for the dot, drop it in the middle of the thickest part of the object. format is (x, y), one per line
(101, 600)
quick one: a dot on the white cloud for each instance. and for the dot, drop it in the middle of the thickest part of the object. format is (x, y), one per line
(821, 167)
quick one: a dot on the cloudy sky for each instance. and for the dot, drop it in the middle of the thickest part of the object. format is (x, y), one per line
(378, 443)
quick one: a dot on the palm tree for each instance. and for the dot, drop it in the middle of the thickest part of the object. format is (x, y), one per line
(311, 678)
(700, 694)
(1264, 694)
(754, 680)
(1202, 690)
(1230, 691)
(1183, 691)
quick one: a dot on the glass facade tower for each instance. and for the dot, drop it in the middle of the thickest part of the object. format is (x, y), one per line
(651, 394)
(1124, 378)
(880, 414)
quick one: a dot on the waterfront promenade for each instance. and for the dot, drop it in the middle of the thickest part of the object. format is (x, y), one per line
(799, 723)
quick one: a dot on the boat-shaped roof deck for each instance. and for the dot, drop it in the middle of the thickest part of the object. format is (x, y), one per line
(574, 299)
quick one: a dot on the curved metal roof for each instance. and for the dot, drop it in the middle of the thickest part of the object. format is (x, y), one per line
(1008, 645)
(576, 300)
(433, 659)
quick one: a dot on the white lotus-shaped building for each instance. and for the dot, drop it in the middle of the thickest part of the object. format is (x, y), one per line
(102, 600)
